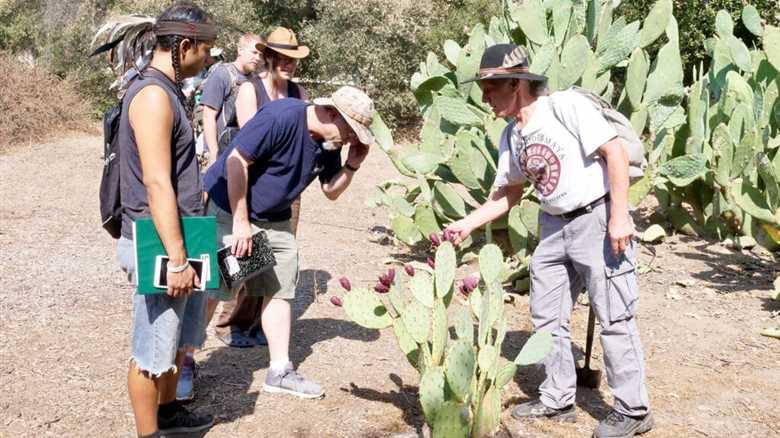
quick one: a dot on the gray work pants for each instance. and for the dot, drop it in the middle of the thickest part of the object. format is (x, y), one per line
(570, 255)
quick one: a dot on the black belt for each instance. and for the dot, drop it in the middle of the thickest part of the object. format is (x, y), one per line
(570, 216)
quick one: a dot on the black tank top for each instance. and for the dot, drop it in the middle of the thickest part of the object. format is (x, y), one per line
(261, 94)
(185, 173)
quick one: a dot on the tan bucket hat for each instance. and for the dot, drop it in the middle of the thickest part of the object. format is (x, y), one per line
(283, 40)
(357, 109)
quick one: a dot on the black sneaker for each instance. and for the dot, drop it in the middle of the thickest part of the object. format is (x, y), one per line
(617, 425)
(536, 409)
(179, 420)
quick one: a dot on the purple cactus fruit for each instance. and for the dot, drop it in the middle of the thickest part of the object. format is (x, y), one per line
(434, 238)
(470, 283)
(409, 270)
(464, 290)
(431, 263)
(336, 301)
(447, 235)
(385, 281)
(391, 274)
(345, 283)
(381, 288)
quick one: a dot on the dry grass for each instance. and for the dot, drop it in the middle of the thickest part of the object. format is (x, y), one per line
(35, 105)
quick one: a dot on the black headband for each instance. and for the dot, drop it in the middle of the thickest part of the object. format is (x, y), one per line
(282, 46)
(201, 31)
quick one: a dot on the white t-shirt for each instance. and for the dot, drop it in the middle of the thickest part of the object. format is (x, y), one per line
(557, 153)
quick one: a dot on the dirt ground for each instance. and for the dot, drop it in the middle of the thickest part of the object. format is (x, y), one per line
(66, 311)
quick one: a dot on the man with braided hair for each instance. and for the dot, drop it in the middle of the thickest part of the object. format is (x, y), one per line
(160, 178)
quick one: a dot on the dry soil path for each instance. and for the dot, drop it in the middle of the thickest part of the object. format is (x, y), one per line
(65, 319)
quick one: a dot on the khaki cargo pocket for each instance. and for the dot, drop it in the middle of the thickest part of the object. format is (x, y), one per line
(622, 289)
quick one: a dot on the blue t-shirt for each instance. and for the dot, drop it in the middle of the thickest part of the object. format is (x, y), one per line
(285, 160)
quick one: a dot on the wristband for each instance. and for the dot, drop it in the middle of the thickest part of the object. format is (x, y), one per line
(178, 269)
(348, 166)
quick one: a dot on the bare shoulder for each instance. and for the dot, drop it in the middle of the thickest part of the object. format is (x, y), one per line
(152, 99)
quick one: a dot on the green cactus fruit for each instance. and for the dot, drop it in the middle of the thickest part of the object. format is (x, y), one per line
(365, 309)
(636, 77)
(450, 421)
(439, 331)
(448, 202)
(464, 325)
(432, 392)
(574, 60)
(417, 320)
(405, 341)
(752, 20)
(740, 54)
(505, 374)
(489, 415)
(459, 368)
(445, 269)
(772, 45)
(421, 286)
(655, 22)
(683, 170)
(561, 20)
(531, 17)
(405, 230)
(491, 263)
(724, 25)
(535, 349)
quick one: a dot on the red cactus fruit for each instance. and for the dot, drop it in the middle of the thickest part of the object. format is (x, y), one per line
(434, 238)
(391, 274)
(409, 270)
(384, 280)
(470, 283)
(345, 283)
(431, 263)
(381, 288)
(336, 301)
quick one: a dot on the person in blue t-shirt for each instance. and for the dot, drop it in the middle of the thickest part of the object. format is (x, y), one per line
(276, 155)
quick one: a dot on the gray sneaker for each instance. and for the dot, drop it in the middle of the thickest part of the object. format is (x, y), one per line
(617, 425)
(290, 382)
(535, 409)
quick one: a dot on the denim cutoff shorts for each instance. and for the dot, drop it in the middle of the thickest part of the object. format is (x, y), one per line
(162, 325)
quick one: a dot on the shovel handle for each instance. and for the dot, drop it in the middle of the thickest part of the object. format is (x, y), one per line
(589, 339)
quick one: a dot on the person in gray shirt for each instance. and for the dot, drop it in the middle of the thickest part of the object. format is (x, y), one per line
(220, 84)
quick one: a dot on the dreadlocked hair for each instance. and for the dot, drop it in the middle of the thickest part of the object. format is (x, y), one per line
(188, 13)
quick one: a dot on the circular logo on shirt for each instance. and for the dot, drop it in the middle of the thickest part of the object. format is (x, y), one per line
(542, 167)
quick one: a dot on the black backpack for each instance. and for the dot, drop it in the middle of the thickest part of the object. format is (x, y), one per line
(110, 199)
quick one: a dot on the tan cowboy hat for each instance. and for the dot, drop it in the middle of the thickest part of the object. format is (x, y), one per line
(283, 40)
(356, 108)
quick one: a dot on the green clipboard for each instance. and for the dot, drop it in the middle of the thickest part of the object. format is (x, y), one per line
(200, 237)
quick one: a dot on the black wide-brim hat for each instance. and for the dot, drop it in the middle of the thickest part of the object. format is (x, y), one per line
(505, 61)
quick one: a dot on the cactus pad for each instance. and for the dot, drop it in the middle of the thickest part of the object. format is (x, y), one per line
(417, 319)
(366, 309)
(432, 392)
(450, 421)
(439, 331)
(459, 368)
(445, 269)
(535, 349)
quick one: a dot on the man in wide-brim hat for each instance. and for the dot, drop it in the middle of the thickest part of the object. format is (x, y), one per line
(562, 144)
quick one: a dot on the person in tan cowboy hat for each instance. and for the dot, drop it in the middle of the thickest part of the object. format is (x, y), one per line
(272, 82)
(276, 155)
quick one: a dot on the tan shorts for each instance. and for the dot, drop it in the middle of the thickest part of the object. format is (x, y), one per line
(279, 282)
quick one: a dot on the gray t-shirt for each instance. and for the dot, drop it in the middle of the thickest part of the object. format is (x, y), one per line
(217, 90)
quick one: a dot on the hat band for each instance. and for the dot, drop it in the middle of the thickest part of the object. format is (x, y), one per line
(203, 31)
(282, 46)
(483, 72)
